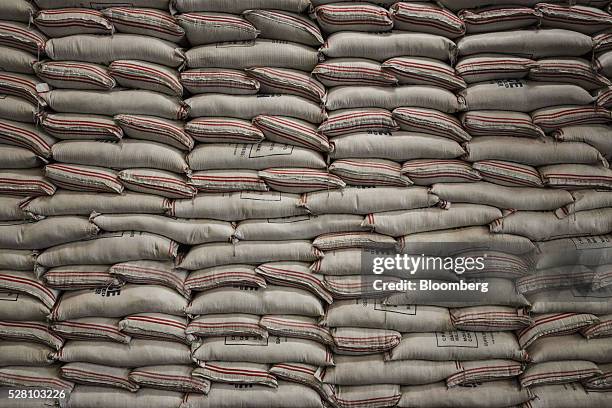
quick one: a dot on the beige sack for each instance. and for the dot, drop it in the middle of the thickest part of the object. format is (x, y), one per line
(249, 252)
(261, 301)
(45, 233)
(106, 49)
(110, 248)
(129, 299)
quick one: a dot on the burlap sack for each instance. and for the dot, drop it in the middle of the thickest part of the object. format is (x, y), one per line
(17, 10)
(248, 252)
(490, 318)
(500, 123)
(238, 206)
(76, 277)
(299, 227)
(184, 231)
(85, 396)
(52, 4)
(360, 341)
(126, 101)
(22, 36)
(559, 372)
(296, 274)
(236, 373)
(567, 396)
(300, 179)
(534, 152)
(427, 18)
(588, 20)
(91, 328)
(170, 377)
(522, 96)
(458, 345)
(17, 109)
(21, 307)
(155, 129)
(155, 326)
(220, 181)
(296, 326)
(494, 394)
(570, 347)
(255, 396)
(225, 324)
(572, 300)
(45, 233)
(498, 19)
(154, 23)
(152, 272)
(382, 46)
(430, 121)
(528, 43)
(110, 248)
(363, 17)
(146, 75)
(253, 53)
(219, 80)
(576, 176)
(598, 329)
(282, 129)
(372, 313)
(106, 49)
(398, 146)
(38, 332)
(130, 299)
(48, 377)
(226, 275)
(10, 209)
(84, 178)
(270, 350)
(364, 200)
(72, 202)
(288, 81)
(249, 106)
(137, 353)
(62, 23)
(260, 156)
(99, 375)
(125, 154)
(518, 198)
(500, 292)
(74, 75)
(398, 223)
(28, 283)
(26, 135)
(14, 157)
(347, 97)
(204, 28)
(280, 25)
(597, 135)
(545, 226)
(602, 382)
(295, 6)
(373, 369)
(463, 239)
(352, 71)
(21, 353)
(261, 301)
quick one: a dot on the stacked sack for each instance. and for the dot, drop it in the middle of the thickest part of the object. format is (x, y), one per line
(190, 189)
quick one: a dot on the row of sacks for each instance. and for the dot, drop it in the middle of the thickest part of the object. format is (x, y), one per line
(239, 206)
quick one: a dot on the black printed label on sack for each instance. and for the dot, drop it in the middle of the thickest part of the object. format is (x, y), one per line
(404, 309)
(456, 339)
(595, 242)
(9, 296)
(510, 83)
(108, 292)
(269, 149)
(246, 341)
